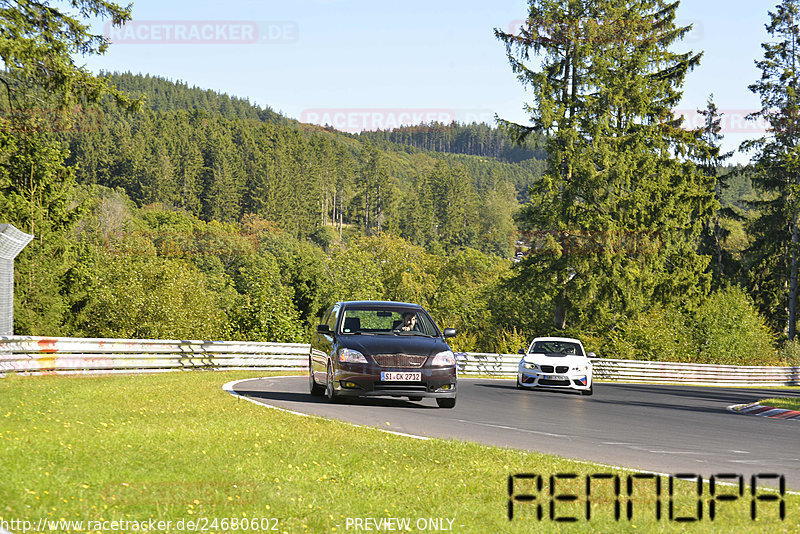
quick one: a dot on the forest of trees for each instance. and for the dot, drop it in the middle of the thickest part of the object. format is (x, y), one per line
(219, 158)
(162, 210)
(472, 139)
(200, 215)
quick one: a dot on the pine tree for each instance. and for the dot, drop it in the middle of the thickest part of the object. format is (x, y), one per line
(710, 161)
(620, 208)
(777, 169)
(374, 190)
(453, 205)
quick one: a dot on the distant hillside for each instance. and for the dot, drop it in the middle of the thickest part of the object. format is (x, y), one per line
(471, 139)
(221, 158)
(165, 95)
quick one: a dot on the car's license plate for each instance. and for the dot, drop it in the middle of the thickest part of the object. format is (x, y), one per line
(390, 376)
(556, 377)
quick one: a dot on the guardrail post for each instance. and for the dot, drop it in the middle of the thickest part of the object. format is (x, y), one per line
(12, 241)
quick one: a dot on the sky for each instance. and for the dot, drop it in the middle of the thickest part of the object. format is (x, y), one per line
(367, 64)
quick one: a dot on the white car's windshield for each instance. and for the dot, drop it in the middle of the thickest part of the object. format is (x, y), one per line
(556, 348)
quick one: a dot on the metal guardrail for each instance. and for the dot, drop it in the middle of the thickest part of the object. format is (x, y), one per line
(41, 355)
(481, 363)
(28, 354)
(694, 373)
(642, 371)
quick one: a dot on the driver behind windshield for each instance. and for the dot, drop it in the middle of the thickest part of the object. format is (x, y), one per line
(409, 322)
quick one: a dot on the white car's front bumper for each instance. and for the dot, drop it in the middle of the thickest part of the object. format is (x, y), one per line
(530, 378)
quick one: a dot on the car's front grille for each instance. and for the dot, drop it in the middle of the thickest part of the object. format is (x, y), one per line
(544, 382)
(559, 369)
(399, 360)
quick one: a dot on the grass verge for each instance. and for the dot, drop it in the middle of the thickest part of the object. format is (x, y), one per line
(788, 403)
(175, 447)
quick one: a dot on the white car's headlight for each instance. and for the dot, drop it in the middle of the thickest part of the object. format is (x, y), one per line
(351, 356)
(529, 365)
(444, 359)
(582, 368)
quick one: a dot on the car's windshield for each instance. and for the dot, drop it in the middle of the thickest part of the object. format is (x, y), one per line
(557, 348)
(381, 321)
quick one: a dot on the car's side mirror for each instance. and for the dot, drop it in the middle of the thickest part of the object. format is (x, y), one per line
(521, 351)
(323, 329)
(591, 355)
(449, 332)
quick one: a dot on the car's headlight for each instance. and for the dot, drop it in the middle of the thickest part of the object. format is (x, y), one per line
(351, 356)
(581, 368)
(444, 359)
(528, 365)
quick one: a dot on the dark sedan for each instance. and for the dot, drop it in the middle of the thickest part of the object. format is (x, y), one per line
(371, 348)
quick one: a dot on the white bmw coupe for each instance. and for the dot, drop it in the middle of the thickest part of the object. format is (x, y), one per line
(556, 362)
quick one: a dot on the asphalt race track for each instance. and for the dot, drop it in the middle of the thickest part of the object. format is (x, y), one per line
(666, 429)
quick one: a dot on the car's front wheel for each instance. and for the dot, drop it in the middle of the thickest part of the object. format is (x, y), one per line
(587, 391)
(446, 403)
(330, 392)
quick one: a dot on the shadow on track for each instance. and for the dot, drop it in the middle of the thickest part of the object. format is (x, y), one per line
(716, 394)
(675, 398)
(307, 398)
(723, 395)
(513, 387)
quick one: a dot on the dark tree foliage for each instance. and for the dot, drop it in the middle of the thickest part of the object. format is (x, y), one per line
(776, 245)
(220, 158)
(168, 95)
(618, 213)
(475, 139)
(43, 90)
(710, 161)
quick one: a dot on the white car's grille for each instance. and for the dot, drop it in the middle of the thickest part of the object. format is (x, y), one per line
(557, 369)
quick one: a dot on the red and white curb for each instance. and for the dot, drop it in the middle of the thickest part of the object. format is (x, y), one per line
(755, 408)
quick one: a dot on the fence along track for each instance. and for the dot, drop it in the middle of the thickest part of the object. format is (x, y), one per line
(28, 354)
(42, 355)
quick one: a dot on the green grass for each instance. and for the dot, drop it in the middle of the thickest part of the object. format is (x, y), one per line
(789, 403)
(176, 447)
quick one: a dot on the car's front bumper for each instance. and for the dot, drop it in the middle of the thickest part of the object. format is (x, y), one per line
(536, 379)
(365, 381)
